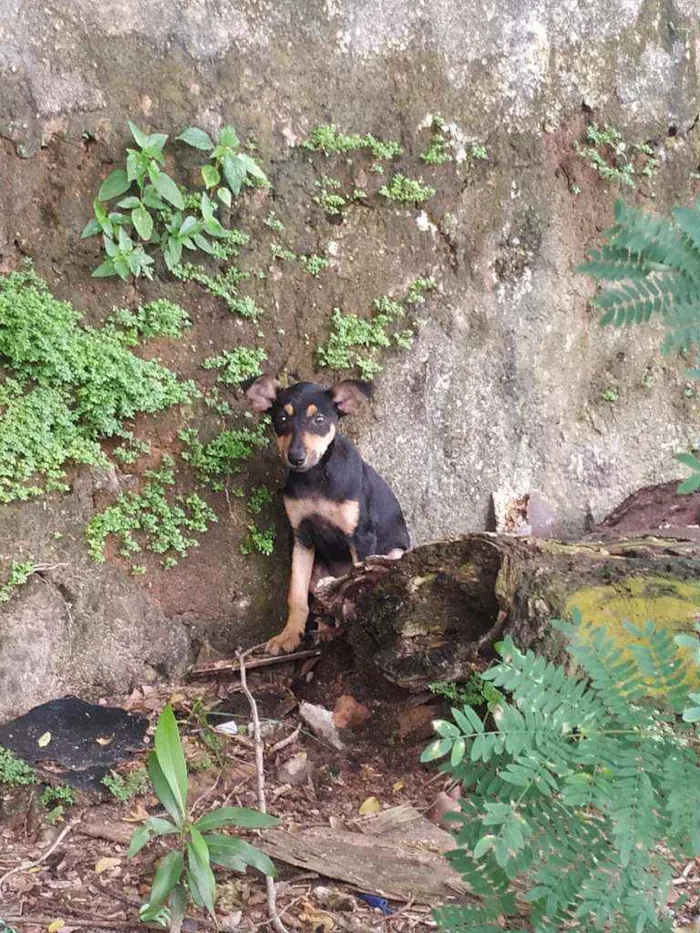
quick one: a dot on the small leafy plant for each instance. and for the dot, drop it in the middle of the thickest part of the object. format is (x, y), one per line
(356, 342)
(235, 366)
(186, 871)
(437, 152)
(57, 799)
(473, 692)
(165, 525)
(69, 385)
(20, 572)
(224, 455)
(614, 159)
(158, 214)
(406, 190)
(228, 169)
(14, 770)
(328, 139)
(124, 787)
(579, 789)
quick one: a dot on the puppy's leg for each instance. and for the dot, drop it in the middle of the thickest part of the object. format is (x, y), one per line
(395, 553)
(298, 601)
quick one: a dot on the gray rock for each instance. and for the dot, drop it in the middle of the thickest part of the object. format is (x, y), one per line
(295, 771)
(320, 721)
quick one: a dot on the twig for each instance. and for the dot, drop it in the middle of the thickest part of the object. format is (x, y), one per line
(283, 743)
(206, 793)
(25, 866)
(93, 925)
(218, 667)
(266, 923)
(260, 772)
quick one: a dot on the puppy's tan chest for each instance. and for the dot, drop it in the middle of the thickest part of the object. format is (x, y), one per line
(343, 515)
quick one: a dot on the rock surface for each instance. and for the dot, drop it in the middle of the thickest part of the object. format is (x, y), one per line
(506, 385)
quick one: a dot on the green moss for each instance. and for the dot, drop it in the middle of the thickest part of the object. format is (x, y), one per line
(613, 158)
(670, 603)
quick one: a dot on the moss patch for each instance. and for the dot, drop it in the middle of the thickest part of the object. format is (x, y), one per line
(671, 604)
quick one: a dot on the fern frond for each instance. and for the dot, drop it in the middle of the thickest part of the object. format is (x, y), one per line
(650, 266)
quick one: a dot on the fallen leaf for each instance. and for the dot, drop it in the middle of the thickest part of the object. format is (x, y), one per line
(349, 714)
(55, 926)
(398, 786)
(106, 863)
(319, 921)
(105, 740)
(42, 743)
(138, 815)
(371, 805)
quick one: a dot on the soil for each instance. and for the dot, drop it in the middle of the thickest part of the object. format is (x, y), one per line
(88, 883)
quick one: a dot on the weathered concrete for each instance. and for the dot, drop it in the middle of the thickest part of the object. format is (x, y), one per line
(505, 385)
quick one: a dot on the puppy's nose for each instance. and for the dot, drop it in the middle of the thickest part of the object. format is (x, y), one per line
(296, 459)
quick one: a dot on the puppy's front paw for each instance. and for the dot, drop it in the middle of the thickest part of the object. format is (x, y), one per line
(287, 640)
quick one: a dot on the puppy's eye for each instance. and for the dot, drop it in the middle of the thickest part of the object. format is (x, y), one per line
(319, 419)
(282, 418)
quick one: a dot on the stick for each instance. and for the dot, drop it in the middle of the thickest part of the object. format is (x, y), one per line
(217, 667)
(25, 866)
(260, 771)
(283, 743)
(40, 921)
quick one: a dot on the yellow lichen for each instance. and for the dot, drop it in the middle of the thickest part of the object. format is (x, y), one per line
(670, 604)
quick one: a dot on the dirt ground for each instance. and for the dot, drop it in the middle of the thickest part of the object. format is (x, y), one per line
(84, 881)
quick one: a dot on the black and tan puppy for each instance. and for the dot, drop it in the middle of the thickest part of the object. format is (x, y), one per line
(341, 511)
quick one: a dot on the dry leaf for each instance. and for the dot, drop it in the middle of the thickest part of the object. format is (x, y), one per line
(317, 920)
(55, 926)
(398, 786)
(103, 740)
(42, 743)
(371, 805)
(106, 863)
(138, 815)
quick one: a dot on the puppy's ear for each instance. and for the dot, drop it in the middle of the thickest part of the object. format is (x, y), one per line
(349, 394)
(263, 392)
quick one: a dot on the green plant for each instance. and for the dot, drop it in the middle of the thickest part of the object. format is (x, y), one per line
(159, 318)
(20, 572)
(57, 800)
(261, 541)
(648, 266)
(259, 498)
(199, 717)
(237, 365)
(274, 223)
(223, 285)
(226, 162)
(314, 264)
(68, 386)
(132, 448)
(281, 252)
(162, 524)
(124, 787)
(186, 871)
(406, 190)
(331, 203)
(224, 454)
(614, 159)
(611, 395)
(577, 791)
(356, 342)
(328, 139)
(437, 153)
(473, 692)
(14, 770)
(155, 213)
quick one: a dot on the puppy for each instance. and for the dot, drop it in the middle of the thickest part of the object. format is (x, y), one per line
(341, 511)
